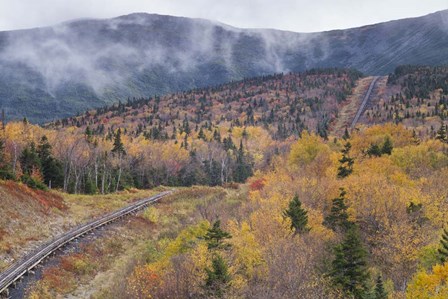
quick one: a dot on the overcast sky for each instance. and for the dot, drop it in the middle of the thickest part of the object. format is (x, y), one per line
(294, 15)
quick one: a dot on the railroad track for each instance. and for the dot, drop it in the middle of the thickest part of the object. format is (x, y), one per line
(28, 262)
(364, 103)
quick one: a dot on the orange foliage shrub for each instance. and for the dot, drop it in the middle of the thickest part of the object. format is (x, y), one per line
(46, 199)
(143, 283)
(59, 280)
(257, 184)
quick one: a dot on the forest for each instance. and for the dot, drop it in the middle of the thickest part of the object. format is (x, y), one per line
(211, 136)
(293, 209)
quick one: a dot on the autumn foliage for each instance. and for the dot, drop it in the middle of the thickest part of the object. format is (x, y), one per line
(320, 216)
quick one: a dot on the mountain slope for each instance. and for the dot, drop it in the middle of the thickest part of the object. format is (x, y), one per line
(54, 72)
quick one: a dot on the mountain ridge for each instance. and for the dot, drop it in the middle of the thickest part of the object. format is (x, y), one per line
(81, 19)
(53, 72)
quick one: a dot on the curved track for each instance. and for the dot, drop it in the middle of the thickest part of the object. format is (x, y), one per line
(28, 262)
(364, 103)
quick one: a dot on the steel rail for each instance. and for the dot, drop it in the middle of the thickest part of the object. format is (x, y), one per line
(31, 260)
(364, 103)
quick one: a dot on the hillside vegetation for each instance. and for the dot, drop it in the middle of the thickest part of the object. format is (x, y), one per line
(314, 222)
(415, 96)
(209, 136)
(29, 216)
(290, 207)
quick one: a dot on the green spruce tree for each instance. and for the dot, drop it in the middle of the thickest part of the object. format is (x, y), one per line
(212, 169)
(31, 164)
(89, 134)
(374, 151)
(349, 271)
(415, 139)
(119, 150)
(387, 147)
(243, 168)
(441, 134)
(216, 237)
(29, 159)
(118, 147)
(443, 249)
(52, 169)
(346, 134)
(346, 167)
(218, 277)
(185, 142)
(298, 216)
(201, 134)
(217, 136)
(380, 292)
(338, 220)
(186, 126)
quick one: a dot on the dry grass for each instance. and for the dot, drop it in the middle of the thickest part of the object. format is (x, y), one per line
(113, 256)
(84, 207)
(29, 217)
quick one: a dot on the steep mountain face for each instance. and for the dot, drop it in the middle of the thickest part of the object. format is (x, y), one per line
(54, 72)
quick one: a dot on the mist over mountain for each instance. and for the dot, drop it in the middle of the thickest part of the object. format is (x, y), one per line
(53, 72)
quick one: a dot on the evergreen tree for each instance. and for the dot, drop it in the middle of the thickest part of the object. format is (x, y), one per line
(346, 134)
(337, 220)
(185, 142)
(186, 126)
(349, 268)
(374, 151)
(218, 277)
(243, 168)
(89, 134)
(212, 170)
(44, 149)
(380, 292)
(52, 170)
(443, 249)
(29, 160)
(215, 237)
(118, 147)
(217, 136)
(346, 167)
(31, 165)
(441, 134)
(415, 139)
(201, 134)
(228, 144)
(387, 146)
(298, 216)
(245, 134)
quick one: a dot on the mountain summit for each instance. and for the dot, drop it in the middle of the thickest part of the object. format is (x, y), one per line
(53, 72)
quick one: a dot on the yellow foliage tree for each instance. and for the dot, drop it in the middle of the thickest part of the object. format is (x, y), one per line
(399, 135)
(420, 160)
(432, 285)
(246, 248)
(307, 149)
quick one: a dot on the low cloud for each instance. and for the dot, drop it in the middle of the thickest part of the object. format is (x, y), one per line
(108, 53)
